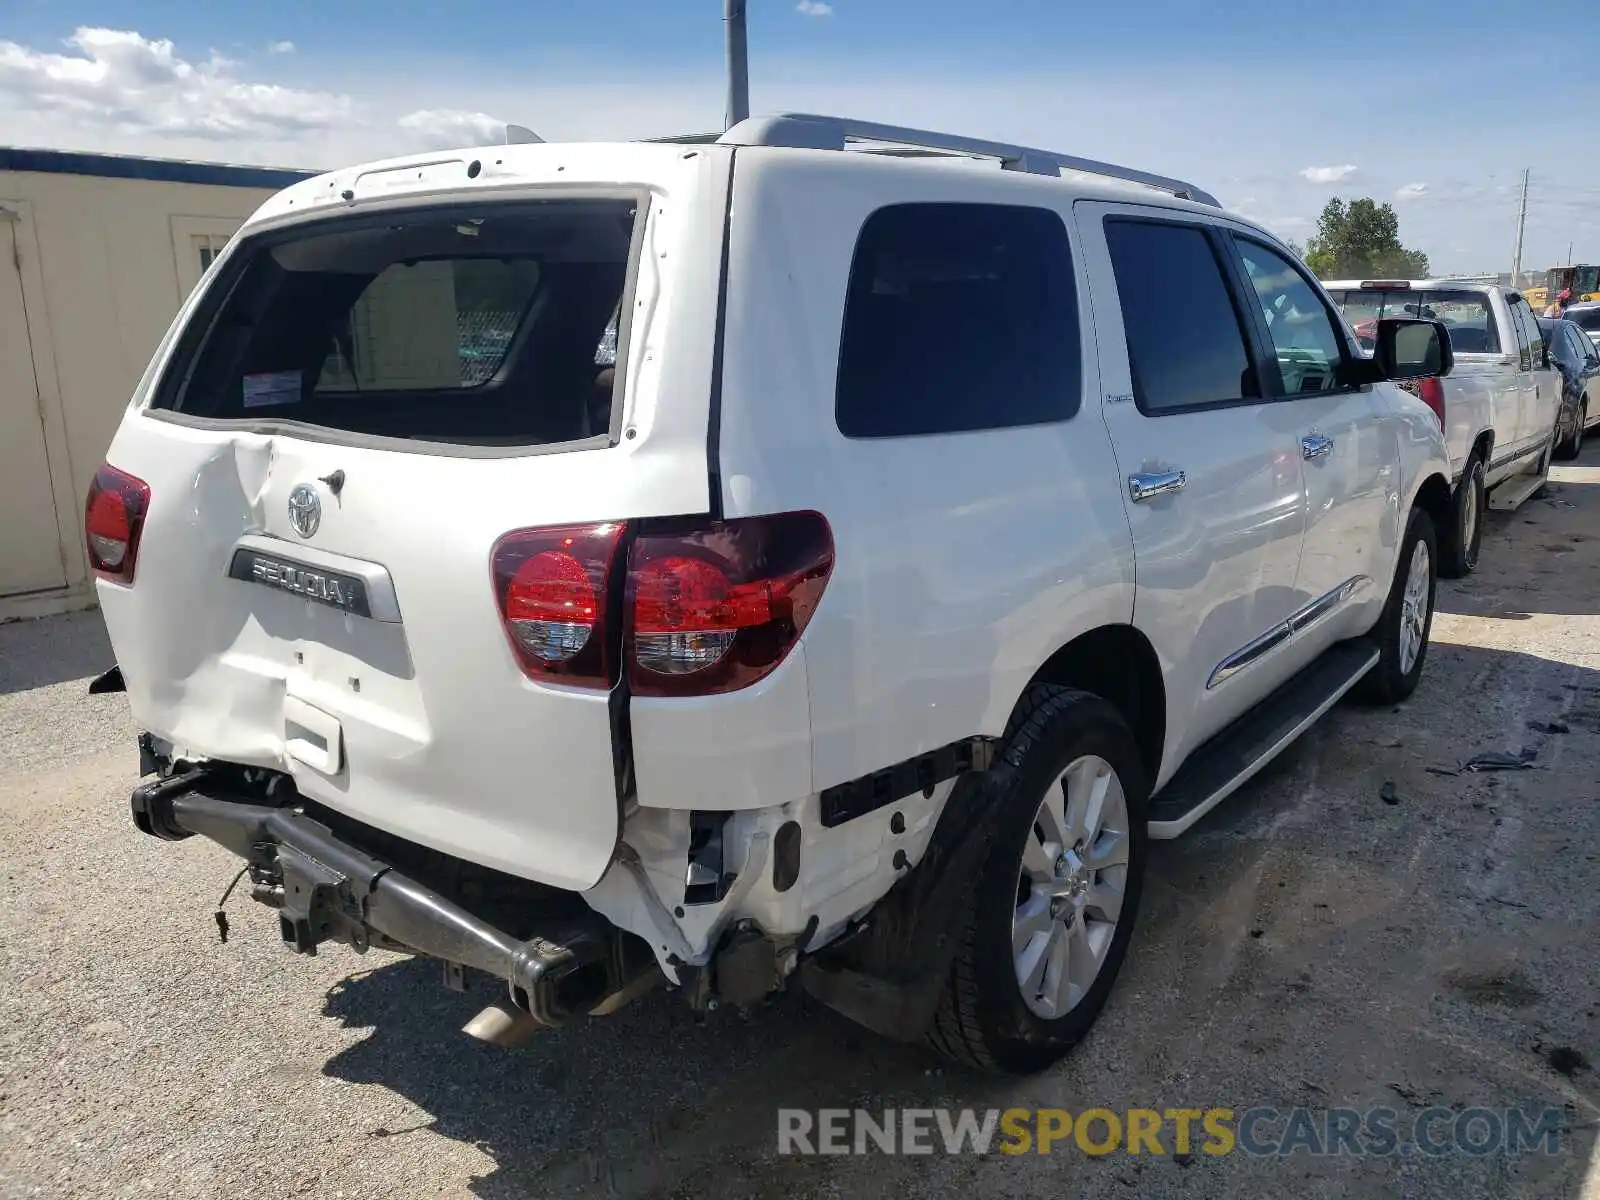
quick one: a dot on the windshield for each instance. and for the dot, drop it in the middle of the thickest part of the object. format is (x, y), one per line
(1465, 314)
(489, 326)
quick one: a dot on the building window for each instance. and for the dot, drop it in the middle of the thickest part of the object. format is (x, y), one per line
(208, 246)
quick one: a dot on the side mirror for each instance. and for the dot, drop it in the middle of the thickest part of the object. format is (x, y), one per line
(1410, 349)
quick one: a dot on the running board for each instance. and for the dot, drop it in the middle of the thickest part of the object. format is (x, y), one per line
(1508, 497)
(1229, 760)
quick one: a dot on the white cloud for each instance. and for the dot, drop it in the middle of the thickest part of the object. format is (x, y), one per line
(446, 128)
(140, 85)
(814, 8)
(1412, 191)
(1329, 174)
(280, 47)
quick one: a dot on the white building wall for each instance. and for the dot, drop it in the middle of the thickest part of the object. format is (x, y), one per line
(92, 270)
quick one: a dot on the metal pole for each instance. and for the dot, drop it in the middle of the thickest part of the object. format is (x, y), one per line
(1522, 221)
(738, 62)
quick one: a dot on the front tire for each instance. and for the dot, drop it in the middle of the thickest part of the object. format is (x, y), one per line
(1047, 925)
(1402, 630)
(1572, 445)
(1459, 554)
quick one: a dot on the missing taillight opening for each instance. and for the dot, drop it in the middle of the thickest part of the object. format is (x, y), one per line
(113, 519)
(716, 607)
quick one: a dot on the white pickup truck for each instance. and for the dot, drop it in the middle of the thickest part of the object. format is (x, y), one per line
(1498, 407)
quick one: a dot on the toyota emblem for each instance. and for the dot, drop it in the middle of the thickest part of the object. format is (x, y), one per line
(305, 510)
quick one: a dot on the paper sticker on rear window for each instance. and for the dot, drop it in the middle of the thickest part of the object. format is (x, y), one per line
(273, 387)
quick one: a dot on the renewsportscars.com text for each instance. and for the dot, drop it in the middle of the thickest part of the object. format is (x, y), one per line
(1261, 1132)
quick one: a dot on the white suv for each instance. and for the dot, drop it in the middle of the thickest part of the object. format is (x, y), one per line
(589, 564)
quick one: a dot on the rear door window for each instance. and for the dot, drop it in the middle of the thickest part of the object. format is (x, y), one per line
(958, 317)
(1186, 343)
(459, 326)
(1562, 348)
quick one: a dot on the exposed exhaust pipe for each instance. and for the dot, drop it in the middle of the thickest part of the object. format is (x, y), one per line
(504, 1024)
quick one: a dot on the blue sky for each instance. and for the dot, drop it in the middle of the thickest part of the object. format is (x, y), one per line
(1275, 106)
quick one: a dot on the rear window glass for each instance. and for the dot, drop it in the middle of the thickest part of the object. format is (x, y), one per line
(1465, 314)
(958, 317)
(444, 323)
(1585, 318)
(495, 327)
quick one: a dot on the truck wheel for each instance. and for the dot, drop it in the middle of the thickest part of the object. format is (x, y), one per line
(1402, 630)
(1572, 444)
(1046, 927)
(1458, 555)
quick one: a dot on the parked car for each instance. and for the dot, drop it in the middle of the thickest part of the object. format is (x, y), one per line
(920, 570)
(1576, 357)
(1587, 318)
(1498, 409)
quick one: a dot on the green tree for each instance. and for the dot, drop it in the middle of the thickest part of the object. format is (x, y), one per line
(1361, 240)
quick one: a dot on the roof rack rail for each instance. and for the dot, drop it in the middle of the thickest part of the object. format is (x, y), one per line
(811, 132)
(688, 139)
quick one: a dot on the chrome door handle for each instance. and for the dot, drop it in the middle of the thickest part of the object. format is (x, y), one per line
(1157, 483)
(1315, 445)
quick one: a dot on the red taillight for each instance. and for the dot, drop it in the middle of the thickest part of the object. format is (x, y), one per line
(712, 606)
(113, 518)
(552, 586)
(1431, 392)
(716, 607)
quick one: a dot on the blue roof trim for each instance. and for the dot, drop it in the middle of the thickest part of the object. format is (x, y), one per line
(160, 170)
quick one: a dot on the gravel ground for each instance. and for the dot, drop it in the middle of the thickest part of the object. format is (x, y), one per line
(1310, 943)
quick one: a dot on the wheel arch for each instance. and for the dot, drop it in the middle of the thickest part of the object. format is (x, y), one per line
(1118, 664)
(1483, 446)
(1434, 497)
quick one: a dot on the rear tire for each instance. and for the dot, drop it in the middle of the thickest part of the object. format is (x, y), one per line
(1402, 631)
(1045, 928)
(1572, 445)
(1458, 555)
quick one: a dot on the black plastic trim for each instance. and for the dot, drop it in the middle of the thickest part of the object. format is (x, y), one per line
(858, 797)
(714, 404)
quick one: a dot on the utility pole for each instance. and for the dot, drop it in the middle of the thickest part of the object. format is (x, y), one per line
(738, 62)
(1522, 221)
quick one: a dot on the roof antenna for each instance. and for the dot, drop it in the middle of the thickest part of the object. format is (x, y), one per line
(521, 135)
(738, 62)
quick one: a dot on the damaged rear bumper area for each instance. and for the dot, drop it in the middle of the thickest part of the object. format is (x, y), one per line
(326, 888)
